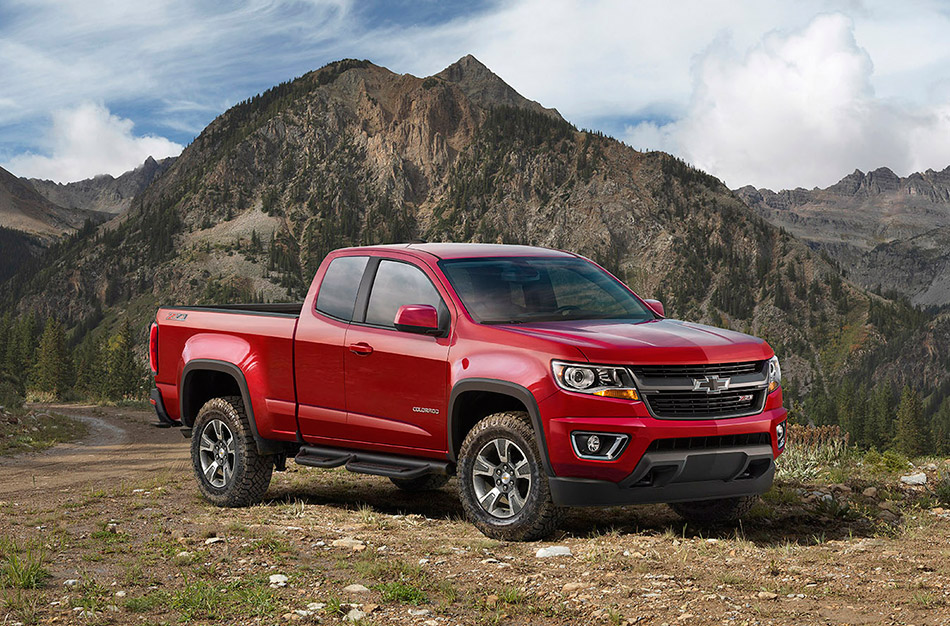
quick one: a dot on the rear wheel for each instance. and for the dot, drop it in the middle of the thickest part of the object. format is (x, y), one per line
(429, 482)
(229, 469)
(720, 511)
(502, 484)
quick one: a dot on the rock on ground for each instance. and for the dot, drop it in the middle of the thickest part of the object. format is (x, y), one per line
(554, 551)
(914, 479)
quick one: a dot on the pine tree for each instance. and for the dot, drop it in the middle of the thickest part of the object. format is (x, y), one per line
(911, 438)
(940, 429)
(6, 333)
(878, 428)
(21, 344)
(52, 370)
(91, 368)
(123, 371)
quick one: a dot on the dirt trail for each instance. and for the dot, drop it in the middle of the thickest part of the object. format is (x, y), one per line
(121, 446)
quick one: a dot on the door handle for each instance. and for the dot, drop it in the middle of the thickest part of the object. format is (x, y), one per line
(361, 348)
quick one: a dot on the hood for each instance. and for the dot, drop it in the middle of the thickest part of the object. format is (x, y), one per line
(656, 342)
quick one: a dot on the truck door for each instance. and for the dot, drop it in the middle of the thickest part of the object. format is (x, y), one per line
(396, 381)
(319, 349)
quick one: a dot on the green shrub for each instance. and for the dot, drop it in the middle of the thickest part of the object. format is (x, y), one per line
(809, 450)
(21, 566)
(942, 488)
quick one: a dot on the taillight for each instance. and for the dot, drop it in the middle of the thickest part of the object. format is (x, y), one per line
(153, 348)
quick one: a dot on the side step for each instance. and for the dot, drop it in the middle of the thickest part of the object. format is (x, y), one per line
(375, 463)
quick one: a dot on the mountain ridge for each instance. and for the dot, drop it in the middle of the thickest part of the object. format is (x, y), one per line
(353, 153)
(888, 232)
(103, 193)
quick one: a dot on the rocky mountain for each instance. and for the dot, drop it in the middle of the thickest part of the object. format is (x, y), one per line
(885, 231)
(103, 194)
(25, 210)
(355, 154)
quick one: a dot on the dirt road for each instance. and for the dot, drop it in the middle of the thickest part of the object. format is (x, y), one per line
(122, 446)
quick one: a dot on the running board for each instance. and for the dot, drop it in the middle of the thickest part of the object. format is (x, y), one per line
(375, 463)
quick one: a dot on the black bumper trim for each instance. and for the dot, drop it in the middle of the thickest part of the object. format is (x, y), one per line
(163, 420)
(677, 476)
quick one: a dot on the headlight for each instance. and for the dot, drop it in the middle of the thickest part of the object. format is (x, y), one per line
(598, 380)
(775, 374)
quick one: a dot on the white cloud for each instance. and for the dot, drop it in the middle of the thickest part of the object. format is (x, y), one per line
(602, 63)
(87, 141)
(797, 109)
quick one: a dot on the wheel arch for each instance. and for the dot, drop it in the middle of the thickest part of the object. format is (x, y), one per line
(204, 379)
(499, 394)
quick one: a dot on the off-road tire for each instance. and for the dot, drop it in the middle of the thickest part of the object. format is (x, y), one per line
(539, 516)
(252, 470)
(429, 482)
(708, 512)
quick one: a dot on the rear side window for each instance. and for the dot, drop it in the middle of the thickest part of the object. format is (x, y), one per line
(397, 284)
(337, 295)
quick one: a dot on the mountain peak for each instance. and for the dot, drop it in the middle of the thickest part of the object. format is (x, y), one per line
(486, 88)
(466, 68)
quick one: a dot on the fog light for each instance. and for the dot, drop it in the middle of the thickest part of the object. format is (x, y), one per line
(599, 446)
(780, 436)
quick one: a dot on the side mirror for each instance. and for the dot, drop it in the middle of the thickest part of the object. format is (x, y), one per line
(421, 319)
(657, 307)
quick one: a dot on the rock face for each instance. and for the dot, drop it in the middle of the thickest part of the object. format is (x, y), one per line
(354, 154)
(884, 230)
(23, 209)
(486, 89)
(103, 194)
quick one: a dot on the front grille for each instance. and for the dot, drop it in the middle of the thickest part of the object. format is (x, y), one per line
(699, 405)
(710, 443)
(723, 370)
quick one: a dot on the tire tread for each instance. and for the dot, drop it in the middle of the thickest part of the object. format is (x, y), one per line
(251, 485)
(549, 515)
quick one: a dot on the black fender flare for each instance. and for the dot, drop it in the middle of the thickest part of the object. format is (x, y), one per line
(503, 387)
(264, 446)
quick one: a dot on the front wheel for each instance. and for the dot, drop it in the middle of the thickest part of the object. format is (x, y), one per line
(229, 469)
(722, 511)
(502, 484)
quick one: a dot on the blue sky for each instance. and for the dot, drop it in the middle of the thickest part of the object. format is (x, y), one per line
(760, 92)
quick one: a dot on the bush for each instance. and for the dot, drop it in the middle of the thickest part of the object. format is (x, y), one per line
(11, 391)
(890, 462)
(942, 488)
(811, 449)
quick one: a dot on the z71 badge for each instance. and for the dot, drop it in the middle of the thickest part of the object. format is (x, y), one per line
(177, 317)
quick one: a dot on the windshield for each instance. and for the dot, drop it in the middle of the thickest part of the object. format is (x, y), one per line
(519, 290)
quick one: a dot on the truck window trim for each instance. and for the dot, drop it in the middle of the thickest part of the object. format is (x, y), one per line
(366, 289)
(356, 301)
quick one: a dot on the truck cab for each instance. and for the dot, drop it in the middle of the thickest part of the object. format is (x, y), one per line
(536, 377)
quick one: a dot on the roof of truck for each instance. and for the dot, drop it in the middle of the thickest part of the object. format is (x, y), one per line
(472, 250)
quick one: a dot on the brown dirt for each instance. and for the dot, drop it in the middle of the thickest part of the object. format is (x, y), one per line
(121, 446)
(791, 562)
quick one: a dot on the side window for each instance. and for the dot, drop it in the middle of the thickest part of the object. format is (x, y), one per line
(397, 284)
(337, 295)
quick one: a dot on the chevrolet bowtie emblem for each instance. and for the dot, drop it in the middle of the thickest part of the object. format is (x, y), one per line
(711, 384)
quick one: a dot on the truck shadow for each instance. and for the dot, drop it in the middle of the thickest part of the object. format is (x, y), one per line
(767, 525)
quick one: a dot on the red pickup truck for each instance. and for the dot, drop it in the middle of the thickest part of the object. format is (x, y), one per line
(533, 375)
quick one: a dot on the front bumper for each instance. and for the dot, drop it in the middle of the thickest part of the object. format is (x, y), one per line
(675, 476)
(741, 462)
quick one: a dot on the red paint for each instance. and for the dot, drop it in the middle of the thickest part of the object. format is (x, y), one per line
(380, 388)
(417, 318)
(657, 307)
